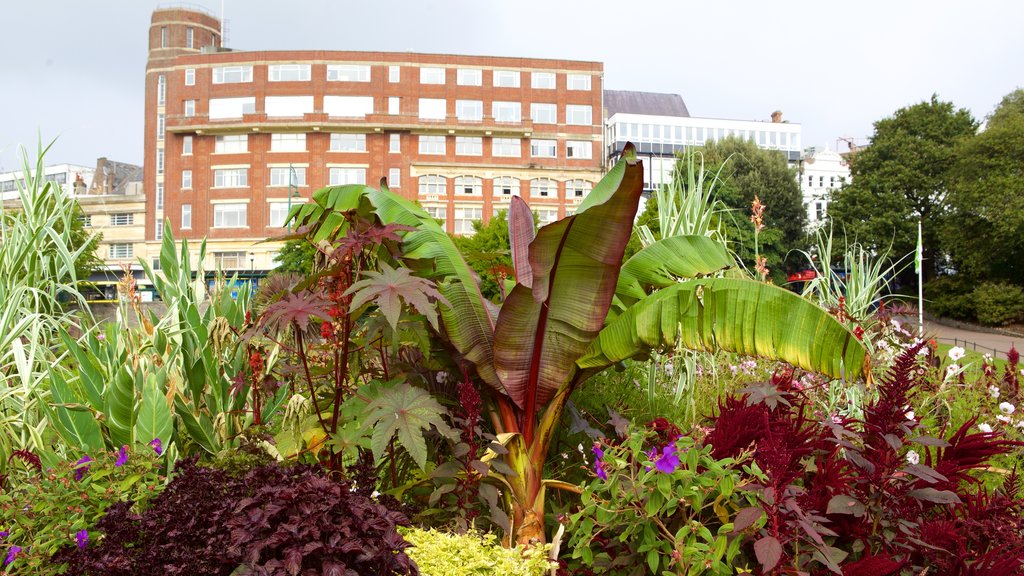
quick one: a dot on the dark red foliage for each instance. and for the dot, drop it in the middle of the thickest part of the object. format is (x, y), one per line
(1011, 382)
(737, 427)
(273, 520)
(880, 565)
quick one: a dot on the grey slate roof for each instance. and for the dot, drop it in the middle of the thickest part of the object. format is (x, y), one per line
(631, 102)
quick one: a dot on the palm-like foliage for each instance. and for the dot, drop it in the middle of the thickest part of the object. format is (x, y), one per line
(551, 332)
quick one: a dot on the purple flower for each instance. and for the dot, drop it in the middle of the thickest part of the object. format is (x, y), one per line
(599, 469)
(82, 536)
(82, 466)
(597, 450)
(4, 534)
(158, 446)
(122, 457)
(11, 554)
(669, 461)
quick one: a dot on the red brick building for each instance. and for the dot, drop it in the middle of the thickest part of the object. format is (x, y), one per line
(230, 135)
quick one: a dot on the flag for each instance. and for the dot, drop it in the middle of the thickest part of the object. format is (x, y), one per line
(919, 253)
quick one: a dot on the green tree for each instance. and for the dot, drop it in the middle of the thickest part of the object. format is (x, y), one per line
(296, 256)
(748, 171)
(987, 198)
(487, 253)
(901, 177)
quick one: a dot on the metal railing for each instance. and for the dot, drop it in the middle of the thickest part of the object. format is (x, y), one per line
(974, 346)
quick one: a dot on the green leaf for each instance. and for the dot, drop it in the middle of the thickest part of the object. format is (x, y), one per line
(742, 316)
(155, 419)
(409, 412)
(543, 330)
(79, 428)
(667, 261)
(120, 407)
(389, 288)
(199, 427)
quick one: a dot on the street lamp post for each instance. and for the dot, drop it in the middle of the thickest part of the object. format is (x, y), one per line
(252, 262)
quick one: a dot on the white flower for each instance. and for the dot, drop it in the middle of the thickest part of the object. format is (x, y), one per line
(913, 457)
(1006, 408)
(986, 357)
(985, 428)
(956, 353)
(565, 456)
(580, 447)
(910, 415)
(895, 323)
(374, 494)
(1003, 419)
(994, 391)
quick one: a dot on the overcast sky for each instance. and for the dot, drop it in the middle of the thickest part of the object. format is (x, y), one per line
(74, 69)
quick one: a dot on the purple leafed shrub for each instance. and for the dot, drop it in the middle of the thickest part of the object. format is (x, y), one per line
(273, 520)
(872, 497)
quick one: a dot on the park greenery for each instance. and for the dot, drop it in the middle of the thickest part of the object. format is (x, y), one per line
(606, 394)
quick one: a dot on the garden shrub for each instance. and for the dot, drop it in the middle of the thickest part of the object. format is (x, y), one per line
(950, 297)
(998, 303)
(272, 520)
(43, 510)
(472, 554)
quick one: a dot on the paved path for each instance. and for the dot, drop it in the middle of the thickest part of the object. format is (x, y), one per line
(980, 341)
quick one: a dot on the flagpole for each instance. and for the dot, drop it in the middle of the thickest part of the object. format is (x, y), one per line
(920, 282)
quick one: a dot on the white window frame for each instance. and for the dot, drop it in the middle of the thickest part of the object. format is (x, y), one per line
(438, 213)
(189, 108)
(395, 178)
(284, 176)
(289, 73)
(186, 179)
(546, 215)
(190, 76)
(288, 142)
(433, 184)
(230, 215)
(231, 178)
(348, 142)
(500, 108)
(470, 77)
(543, 188)
(287, 106)
(277, 214)
(161, 126)
(579, 115)
(469, 146)
(161, 90)
(432, 144)
(342, 175)
(121, 250)
(433, 75)
(579, 149)
(578, 188)
(348, 72)
(186, 216)
(503, 183)
(465, 216)
(231, 108)
(540, 148)
(577, 82)
(469, 186)
(232, 74)
(498, 147)
(469, 110)
(506, 78)
(231, 144)
(232, 260)
(348, 106)
(543, 113)
(395, 143)
(186, 145)
(190, 37)
(394, 74)
(122, 219)
(543, 80)
(432, 108)
(394, 105)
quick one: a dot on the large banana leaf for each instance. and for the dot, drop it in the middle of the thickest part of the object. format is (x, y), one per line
(543, 330)
(666, 261)
(742, 316)
(520, 234)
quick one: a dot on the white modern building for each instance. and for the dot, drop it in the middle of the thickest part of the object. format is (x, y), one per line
(64, 175)
(660, 126)
(822, 171)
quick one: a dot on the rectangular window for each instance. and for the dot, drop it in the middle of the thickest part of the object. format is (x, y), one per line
(120, 251)
(229, 260)
(278, 214)
(231, 144)
(186, 179)
(544, 80)
(578, 115)
(432, 75)
(348, 73)
(161, 125)
(395, 177)
(470, 77)
(578, 149)
(122, 219)
(190, 76)
(288, 106)
(163, 36)
(432, 144)
(437, 212)
(161, 90)
(544, 113)
(469, 146)
(340, 176)
(232, 74)
(190, 38)
(432, 108)
(159, 160)
(159, 236)
(186, 215)
(348, 106)
(289, 72)
(288, 176)
(230, 177)
(287, 142)
(506, 147)
(186, 145)
(159, 196)
(464, 218)
(348, 142)
(577, 81)
(229, 215)
(394, 105)
(189, 108)
(546, 216)
(223, 108)
(469, 110)
(507, 111)
(394, 74)
(543, 148)
(506, 78)
(395, 143)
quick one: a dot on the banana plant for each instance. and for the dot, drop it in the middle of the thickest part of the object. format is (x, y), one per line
(558, 326)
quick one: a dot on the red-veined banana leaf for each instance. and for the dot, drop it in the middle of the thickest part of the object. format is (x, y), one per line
(520, 234)
(543, 330)
(742, 316)
(665, 262)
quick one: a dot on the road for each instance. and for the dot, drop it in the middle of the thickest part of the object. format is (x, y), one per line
(980, 341)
